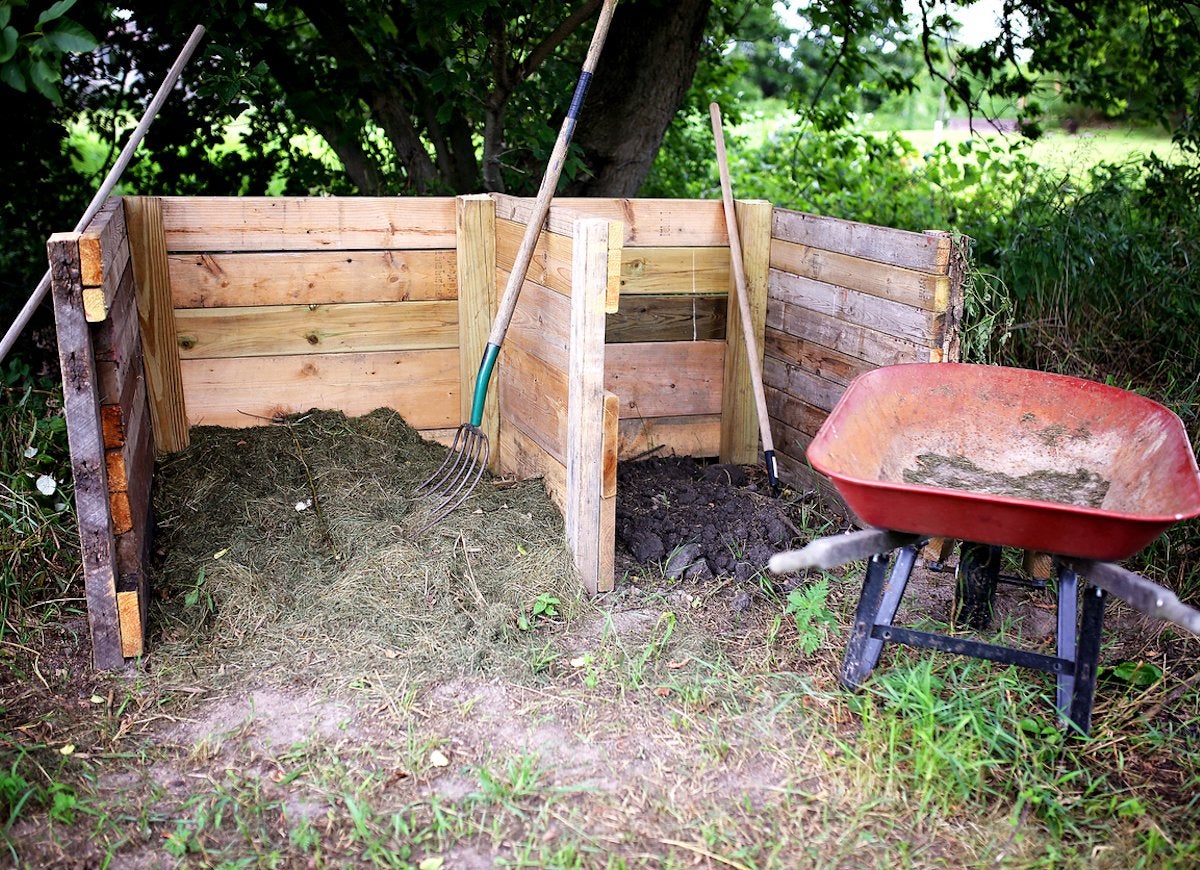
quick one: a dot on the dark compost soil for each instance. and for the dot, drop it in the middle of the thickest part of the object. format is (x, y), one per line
(698, 521)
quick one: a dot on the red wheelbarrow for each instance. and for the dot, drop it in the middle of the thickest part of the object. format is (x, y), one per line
(1002, 457)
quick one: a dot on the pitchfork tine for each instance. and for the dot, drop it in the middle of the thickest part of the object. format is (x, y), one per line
(434, 482)
(444, 509)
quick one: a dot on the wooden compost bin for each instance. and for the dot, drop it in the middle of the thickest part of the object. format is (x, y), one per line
(175, 312)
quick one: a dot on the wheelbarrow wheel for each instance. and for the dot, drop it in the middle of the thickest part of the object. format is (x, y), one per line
(975, 585)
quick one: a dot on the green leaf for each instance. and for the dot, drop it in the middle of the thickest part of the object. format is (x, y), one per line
(8, 43)
(55, 12)
(45, 80)
(71, 36)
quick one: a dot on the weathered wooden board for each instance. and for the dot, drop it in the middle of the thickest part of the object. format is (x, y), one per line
(550, 264)
(521, 457)
(794, 412)
(667, 318)
(590, 460)
(132, 440)
(863, 309)
(666, 379)
(280, 223)
(667, 436)
(818, 359)
(227, 280)
(156, 320)
(81, 406)
(647, 222)
(907, 286)
(104, 257)
(475, 266)
(903, 248)
(131, 505)
(541, 323)
(740, 430)
(422, 385)
(690, 271)
(282, 330)
(115, 337)
(869, 345)
(797, 381)
(533, 396)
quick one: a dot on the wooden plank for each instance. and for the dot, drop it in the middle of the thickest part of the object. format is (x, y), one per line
(667, 318)
(818, 359)
(132, 435)
(533, 397)
(586, 402)
(739, 413)
(521, 457)
(288, 330)
(647, 222)
(131, 505)
(863, 309)
(115, 418)
(115, 337)
(104, 256)
(666, 379)
(100, 241)
(690, 271)
(541, 323)
(129, 610)
(475, 266)
(550, 265)
(796, 381)
(670, 436)
(867, 344)
(903, 248)
(227, 280)
(908, 286)
(156, 321)
(81, 406)
(793, 412)
(281, 223)
(422, 385)
(609, 459)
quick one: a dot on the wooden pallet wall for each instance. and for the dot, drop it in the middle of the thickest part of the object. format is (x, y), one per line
(285, 304)
(844, 298)
(109, 425)
(556, 419)
(669, 349)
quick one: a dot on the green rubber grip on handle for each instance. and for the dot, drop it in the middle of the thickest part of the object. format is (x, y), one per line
(481, 382)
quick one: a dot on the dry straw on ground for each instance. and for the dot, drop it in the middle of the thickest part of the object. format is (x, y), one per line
(289, 549)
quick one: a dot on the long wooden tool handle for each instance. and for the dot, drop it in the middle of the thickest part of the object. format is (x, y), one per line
(739, 280)
(541, 207)
(110, 181)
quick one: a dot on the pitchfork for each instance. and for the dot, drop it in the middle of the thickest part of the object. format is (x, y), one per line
(463, 466)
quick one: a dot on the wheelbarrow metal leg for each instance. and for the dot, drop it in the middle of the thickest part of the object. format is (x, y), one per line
(1068, 621)
(855, 666)
(893, 591)
(1086, 657)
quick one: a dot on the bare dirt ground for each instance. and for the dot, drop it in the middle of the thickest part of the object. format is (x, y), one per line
(676, 722)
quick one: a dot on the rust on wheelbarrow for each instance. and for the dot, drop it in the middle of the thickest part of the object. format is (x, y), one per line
(1009, 456)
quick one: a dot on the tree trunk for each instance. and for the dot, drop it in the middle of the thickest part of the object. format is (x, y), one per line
(644, 73)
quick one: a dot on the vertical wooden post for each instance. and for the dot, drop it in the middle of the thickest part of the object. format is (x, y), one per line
(739, 419)
(475, 222)
(589, 532)
(156, 318)
(81, 404)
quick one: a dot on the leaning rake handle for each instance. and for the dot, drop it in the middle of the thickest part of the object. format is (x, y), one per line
(463, 467)
(739, 281)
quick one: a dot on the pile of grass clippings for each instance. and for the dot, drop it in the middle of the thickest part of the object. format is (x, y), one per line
(256, 576)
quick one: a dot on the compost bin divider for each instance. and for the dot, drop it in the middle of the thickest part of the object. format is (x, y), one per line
(81, 404)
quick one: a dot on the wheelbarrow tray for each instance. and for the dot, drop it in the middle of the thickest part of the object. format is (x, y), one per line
(1010, 457)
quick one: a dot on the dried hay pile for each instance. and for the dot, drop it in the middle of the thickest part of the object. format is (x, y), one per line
(256, 577)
